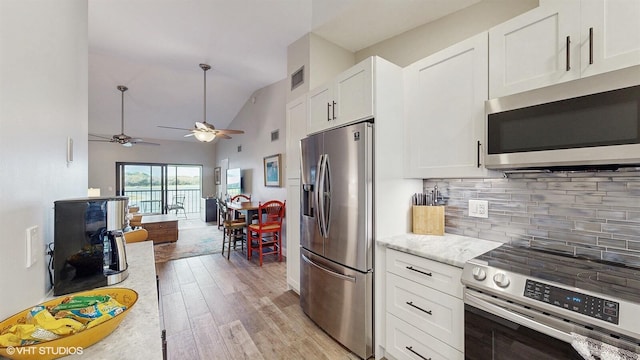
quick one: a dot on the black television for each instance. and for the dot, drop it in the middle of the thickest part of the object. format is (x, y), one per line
(235, 183)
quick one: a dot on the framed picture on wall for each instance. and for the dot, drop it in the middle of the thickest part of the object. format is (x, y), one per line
(272, 170)
(216, 175)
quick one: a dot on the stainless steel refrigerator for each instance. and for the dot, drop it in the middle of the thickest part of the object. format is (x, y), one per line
(336, 267)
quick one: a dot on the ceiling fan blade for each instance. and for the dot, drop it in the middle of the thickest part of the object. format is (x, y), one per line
(96, 140)
(224, 136)
(203, 126)
(138, 141)
(174, 128)
(99, 136)
(189, 134)
(229, 131)
(144, 143)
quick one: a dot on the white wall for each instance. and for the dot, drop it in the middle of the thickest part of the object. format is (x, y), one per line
(258, 120)
(327, 60)
(418, 43)
(103, 158)
(322, 61)
(43, 100)
(298, 56)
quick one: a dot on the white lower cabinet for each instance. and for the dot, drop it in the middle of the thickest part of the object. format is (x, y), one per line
(406, 342)
(424, 308)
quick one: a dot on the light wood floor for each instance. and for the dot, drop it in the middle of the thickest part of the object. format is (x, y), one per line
(214, 308)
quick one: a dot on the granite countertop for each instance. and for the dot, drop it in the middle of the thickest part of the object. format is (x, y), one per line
(449, 249)
(138, 336)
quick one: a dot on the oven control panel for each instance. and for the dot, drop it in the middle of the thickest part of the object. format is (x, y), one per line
(592, 306)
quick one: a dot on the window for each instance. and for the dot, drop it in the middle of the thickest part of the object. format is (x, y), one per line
(153, 187)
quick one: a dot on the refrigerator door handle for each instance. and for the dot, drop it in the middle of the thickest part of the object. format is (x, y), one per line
(318, 195)
(328, 271)
(326, 195)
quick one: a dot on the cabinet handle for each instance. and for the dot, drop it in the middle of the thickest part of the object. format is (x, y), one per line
(164, 344)
(590, 45)
(410, 303)
(568, 53)
(410, 348)
(478, 154)
(328, 111)
(419, 271)
(334, 110)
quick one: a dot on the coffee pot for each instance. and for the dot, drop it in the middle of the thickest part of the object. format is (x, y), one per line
(89, 246)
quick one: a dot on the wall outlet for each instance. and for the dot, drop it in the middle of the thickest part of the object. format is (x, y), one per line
(32, 243)
(479, 208)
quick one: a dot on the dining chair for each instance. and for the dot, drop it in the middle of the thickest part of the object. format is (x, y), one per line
(220, 202)
(242, 198)
(134, 217)
(232, 231)
(266, 235)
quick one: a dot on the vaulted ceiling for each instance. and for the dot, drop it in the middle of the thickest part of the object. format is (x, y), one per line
(154, 48)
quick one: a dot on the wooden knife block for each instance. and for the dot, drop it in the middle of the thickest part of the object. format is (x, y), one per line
(428, 220)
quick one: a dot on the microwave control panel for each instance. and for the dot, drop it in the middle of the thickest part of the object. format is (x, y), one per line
(592, 306)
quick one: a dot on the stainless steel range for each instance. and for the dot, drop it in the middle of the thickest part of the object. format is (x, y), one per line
(522, 303)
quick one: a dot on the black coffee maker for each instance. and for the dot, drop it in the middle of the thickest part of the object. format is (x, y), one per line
(89, 247)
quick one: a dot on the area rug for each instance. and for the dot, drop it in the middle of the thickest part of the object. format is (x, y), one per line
(195, 238)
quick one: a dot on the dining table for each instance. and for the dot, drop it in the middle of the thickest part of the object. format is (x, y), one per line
(248, 208)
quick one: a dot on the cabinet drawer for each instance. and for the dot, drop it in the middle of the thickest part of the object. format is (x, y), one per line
(442, 277)
(406, 342)
(429, 310)
(161, 227)
(164, 232)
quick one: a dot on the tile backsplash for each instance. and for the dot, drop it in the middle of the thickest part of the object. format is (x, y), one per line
(590, 214)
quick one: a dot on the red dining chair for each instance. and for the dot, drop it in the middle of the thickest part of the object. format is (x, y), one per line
(266, 235)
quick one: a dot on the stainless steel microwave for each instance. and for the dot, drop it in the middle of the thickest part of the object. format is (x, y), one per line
(593, 122)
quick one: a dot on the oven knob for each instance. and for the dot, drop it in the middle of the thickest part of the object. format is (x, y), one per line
(479, 273)
(501, 280)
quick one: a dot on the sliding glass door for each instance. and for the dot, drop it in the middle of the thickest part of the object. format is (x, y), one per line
(156, 187)
(184, 184)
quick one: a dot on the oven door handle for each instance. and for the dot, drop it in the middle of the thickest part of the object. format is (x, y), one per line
(477, 302)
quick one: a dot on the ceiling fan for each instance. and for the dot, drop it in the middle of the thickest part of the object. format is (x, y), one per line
(203, 131)
(122, 139)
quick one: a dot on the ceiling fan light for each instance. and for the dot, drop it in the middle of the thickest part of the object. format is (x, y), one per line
(205, 136)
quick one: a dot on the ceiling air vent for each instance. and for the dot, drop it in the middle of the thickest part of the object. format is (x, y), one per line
(275, 135)
(297, 78)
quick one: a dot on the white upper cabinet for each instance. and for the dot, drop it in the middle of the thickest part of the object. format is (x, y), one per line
(535, 49)
(562, 40)
(296, 130)
(348, 98)
(444, 112)
(610, 35)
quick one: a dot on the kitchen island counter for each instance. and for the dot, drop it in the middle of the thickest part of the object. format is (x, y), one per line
(450, 249)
